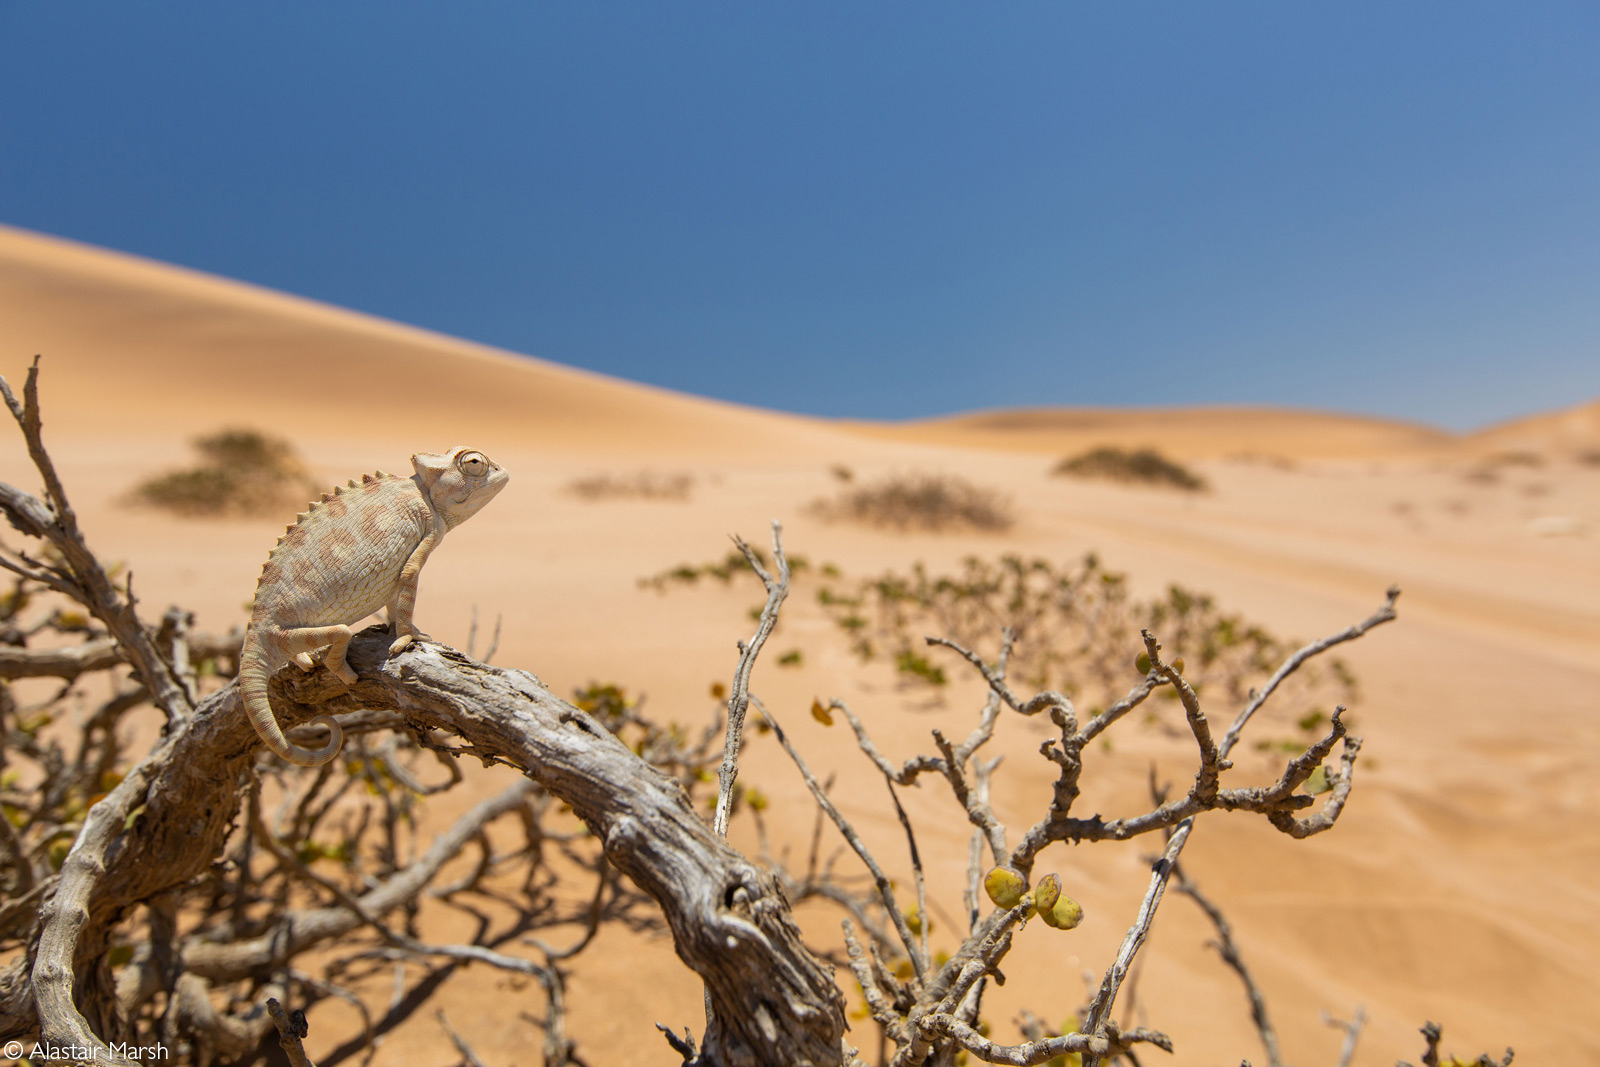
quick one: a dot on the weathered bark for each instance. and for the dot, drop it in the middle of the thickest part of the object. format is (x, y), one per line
(771, 1001)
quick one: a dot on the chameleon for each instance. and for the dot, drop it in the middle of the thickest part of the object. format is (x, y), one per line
(358, 549)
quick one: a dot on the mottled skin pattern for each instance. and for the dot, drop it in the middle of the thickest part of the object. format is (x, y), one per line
(359, 549)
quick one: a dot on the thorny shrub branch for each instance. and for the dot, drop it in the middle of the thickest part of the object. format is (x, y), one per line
(152, 866)
(934, 1010)
(135, 896)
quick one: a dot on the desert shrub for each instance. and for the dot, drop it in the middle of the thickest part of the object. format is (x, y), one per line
(1072, 627)
(932, 502)
(1143, 466)
(1590, 458)
(1515, 458)
(1488, 470)
(113, 865)
(243, 472)
(645, 485)
(723, 570)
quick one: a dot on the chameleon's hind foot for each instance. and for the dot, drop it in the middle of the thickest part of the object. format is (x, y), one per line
(304, 662)
(405, 641)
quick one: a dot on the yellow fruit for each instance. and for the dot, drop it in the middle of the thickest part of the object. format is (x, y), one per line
(1046, 893)
(1005, 886)
(821, 712)
(1142, 662)
(1064, 915)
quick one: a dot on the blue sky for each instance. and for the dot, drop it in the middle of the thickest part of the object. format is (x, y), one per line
(884, 209)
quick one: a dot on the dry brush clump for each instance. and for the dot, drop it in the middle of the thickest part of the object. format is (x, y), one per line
(643, 485)
(243, 472)
(936, 503)
(1140, 466)
(209, 898)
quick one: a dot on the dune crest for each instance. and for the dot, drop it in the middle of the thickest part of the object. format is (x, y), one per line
(1575, 429)
(125, 337)
(1189, 433)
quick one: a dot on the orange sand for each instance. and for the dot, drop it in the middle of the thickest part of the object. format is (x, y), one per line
(1462, 885)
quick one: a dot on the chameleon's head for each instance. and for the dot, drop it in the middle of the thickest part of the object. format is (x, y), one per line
(459, 482)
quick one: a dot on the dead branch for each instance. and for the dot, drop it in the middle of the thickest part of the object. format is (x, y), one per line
(1384, 614)
(1099, 1013)
(66, 663)
(466, 1050)
(739, 698)
(291, 1028)
(1115, 1043)
(295, 931)
(81, 576)
(728, 918)
(880, 879)
(1352, 1033)
(1229, 951)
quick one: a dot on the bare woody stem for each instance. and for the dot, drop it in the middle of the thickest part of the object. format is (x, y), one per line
(1229, 951)
(82, 577)
(1099, 1013)
(290, 1030)
(879, 878)
(772, 1000)
(1294, 662)
(739, 698)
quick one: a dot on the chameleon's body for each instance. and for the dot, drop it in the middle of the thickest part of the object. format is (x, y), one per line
(359, 549)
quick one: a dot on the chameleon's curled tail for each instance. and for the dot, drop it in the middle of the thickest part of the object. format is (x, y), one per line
(253, 674)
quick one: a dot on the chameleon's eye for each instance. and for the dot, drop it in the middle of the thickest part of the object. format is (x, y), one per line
(474, 464)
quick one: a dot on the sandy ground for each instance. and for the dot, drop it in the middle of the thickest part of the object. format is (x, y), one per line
(1462, 884)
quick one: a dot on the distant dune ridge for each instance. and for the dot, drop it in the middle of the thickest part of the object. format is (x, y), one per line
(1574, 429)
(121, 332)
(1458, 886)
(1192, 433)
(125, 337)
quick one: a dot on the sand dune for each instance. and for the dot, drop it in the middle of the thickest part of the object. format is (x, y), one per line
(1460, 885)
(1575, 430)
(1187, 433)
(129, 338)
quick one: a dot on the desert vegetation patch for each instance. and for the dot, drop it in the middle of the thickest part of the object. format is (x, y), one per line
(924, 502)
(241, 472)
(1139, 466)
(641, 485)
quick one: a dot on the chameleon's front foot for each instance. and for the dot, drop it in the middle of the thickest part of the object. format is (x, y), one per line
(344, 672)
